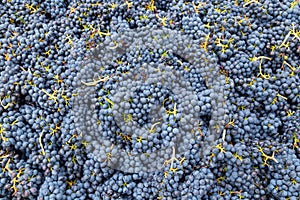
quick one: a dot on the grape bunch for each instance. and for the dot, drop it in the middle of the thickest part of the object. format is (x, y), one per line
(149, 99)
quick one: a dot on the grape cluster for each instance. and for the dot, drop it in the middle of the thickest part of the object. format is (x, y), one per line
(149, 99)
